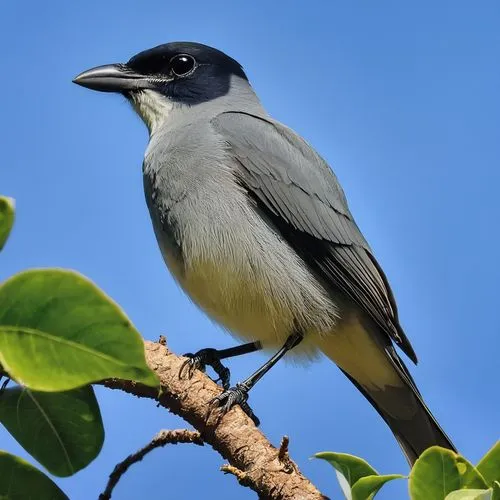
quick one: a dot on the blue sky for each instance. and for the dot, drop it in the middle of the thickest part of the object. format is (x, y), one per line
(403, 101)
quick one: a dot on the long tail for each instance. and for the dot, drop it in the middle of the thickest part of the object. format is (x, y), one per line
(381, 376)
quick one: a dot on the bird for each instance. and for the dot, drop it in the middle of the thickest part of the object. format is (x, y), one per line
(254, 226)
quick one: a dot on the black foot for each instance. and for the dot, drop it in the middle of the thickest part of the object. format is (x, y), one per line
(235, 396)
(202, 359)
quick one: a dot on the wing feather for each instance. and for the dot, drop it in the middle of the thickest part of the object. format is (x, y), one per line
(300, 194)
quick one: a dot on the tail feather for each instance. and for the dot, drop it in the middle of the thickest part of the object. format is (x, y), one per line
(374, 367)
(411, 422)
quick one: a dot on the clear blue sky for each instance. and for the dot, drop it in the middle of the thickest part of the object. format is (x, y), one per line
(401, 98)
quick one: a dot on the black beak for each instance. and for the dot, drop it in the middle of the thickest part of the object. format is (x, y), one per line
(112, 78)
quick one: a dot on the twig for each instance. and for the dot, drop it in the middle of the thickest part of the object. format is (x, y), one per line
(284, 457)
(239, 474)
(283, 451)
(161, 439)
(234, 435)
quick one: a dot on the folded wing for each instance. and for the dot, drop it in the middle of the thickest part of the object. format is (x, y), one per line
(300, 194)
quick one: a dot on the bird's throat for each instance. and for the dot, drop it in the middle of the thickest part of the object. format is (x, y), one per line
(152, 107)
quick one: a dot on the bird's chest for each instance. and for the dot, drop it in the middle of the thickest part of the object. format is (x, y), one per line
(223, 254)
(211, 243)
(230, 293)
(222, 268)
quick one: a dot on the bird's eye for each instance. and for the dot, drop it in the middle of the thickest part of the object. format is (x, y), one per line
(182, 64)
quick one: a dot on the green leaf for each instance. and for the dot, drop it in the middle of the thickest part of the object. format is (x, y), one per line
(469, 495)
(489, 465)
(439, 471)
(350, 466)
(358, 479)
(19, 480)
(58, 331)
(367, 487)
(349, 469)
(6, 218)
(61, 430)
(496, 491)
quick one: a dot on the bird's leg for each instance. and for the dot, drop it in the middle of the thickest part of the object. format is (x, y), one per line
(212, 357)
(239, 393)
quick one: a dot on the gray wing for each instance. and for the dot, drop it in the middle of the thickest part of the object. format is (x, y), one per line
(298, 191)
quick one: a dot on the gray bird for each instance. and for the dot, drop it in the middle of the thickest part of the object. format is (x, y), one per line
(254, 226)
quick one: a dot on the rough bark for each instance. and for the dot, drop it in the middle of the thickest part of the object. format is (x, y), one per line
(254, 461)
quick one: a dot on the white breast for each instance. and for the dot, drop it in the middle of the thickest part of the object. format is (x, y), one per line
(238, 270)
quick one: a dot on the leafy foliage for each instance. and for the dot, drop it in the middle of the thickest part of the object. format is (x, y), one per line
(489, 465)
(367, 487)
(438, 474)
(357, 478)
(21, 481)
(62, 430)
(58, 331)
(469, 495)
(6, 218)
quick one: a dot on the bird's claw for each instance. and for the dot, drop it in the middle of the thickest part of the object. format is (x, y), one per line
(203, 358)
(237, 395)
(190, 365)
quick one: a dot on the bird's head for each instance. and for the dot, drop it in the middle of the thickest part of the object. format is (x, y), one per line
(158, 79)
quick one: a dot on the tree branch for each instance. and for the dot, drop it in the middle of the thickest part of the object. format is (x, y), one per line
(252, 458)
(161, 439)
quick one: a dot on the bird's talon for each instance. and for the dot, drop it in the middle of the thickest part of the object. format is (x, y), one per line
(200, 360)
(214, 401)
(187, 365)
(237, 395)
